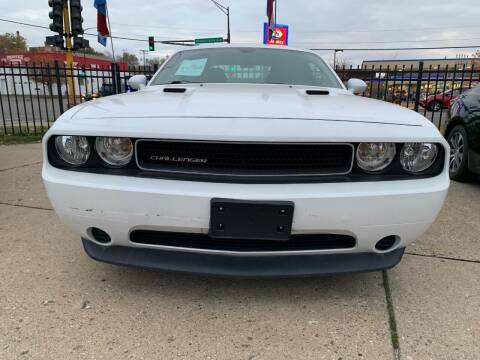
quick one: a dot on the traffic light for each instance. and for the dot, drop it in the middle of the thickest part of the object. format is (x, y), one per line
(55, 40)
(76, 19)
(56, 14)
(80, 43)
(151, 43)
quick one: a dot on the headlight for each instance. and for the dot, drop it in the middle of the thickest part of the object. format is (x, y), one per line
(375, 156)
(75, 150)
(115, 151)
(417, 157)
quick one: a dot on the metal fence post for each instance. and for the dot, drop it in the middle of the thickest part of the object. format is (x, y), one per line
(419, 86)
(114, 78)
(59, 87)
(118, 80)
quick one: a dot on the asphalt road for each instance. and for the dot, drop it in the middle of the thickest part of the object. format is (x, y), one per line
(56, 303)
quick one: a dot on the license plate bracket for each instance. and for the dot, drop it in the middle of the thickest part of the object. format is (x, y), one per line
(251, 220)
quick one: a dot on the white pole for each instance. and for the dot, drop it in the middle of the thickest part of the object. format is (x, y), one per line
(110, 30)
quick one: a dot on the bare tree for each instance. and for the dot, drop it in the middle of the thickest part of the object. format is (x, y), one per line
(156, 61)
(130, 59)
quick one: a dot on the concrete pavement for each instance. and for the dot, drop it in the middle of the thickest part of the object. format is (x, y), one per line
(56, 303)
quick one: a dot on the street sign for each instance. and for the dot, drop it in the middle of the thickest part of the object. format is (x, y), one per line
(208, 40)
(279, 36)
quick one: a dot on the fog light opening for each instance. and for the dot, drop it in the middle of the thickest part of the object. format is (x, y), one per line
(387, 243)
(100, 236)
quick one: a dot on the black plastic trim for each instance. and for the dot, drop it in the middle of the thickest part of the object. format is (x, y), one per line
(174, 90)
(317, 92)
(297, 265)
(394, 172)
(310, 242)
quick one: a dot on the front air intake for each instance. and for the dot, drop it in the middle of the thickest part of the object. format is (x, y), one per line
(100, 235)
(386, 243)
(310, 242)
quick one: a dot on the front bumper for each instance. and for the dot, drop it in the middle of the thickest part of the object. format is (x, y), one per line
(243, 266)
(367, 211)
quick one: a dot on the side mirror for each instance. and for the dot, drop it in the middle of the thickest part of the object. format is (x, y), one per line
(137, 82)
(356, 86)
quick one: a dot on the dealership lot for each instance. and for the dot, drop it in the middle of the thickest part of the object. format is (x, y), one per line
(57, 303)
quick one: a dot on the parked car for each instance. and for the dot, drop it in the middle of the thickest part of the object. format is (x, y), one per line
(90, 96)
(106, 90)
(246, 161)
(463, 135)
(441, 100)
(396, 96)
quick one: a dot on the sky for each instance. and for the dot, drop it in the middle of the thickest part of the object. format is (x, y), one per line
(338, 24)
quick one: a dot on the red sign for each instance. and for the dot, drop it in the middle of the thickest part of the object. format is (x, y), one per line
(279, 36)
(26, 57)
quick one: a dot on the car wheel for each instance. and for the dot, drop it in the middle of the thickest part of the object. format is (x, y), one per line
(459, 153)
(435, 106)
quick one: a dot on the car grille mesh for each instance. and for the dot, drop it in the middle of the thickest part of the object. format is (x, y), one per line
(244, 159)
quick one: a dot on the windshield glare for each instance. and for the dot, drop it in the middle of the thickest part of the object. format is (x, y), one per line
(247, 65)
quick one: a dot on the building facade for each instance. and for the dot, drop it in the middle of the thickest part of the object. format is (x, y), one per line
(427, 63)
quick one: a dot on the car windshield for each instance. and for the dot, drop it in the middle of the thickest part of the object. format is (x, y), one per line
(247, 65)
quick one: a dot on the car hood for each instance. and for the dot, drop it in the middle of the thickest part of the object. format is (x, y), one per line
(247, 101)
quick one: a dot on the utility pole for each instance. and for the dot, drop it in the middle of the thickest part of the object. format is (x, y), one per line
(69, 55)
(335, 57)
(143, 52)
(18, 41)
(226, 11)
(228, 24)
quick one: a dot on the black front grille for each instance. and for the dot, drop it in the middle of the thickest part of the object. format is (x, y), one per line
(203, 241)
(249, 160)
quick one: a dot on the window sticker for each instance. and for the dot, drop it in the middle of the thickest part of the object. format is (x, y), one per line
(191, 67)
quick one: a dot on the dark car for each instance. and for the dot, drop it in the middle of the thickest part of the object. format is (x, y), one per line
(463, 135)
(106, 90)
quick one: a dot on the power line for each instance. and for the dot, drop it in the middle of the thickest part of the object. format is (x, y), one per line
(25, 24)
(221, 7)
(398, 49)
(190, 42)
(320, 31)
(167, 42)
(390, 42)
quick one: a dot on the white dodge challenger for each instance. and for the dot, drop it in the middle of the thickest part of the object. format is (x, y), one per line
(246, 161)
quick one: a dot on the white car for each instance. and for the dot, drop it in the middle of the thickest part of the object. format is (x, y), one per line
(246, 161)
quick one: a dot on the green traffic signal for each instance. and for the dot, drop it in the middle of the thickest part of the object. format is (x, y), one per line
(151, 43)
